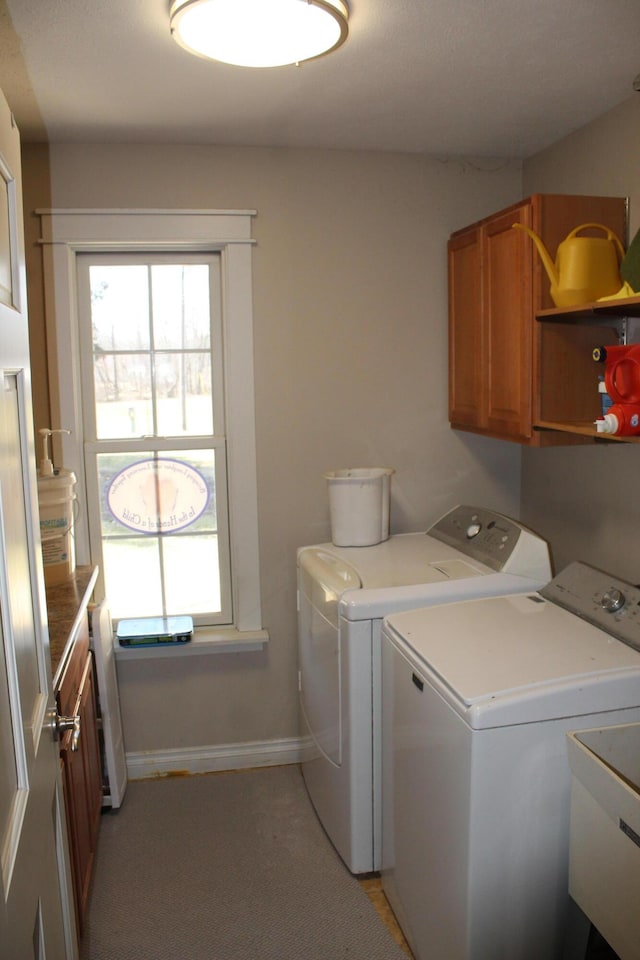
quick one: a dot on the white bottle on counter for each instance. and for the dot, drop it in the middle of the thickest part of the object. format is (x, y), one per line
(56, 501)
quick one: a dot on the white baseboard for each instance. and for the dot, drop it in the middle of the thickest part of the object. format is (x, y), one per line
(144, 764)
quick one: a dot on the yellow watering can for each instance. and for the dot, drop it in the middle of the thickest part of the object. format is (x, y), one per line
(586, 268)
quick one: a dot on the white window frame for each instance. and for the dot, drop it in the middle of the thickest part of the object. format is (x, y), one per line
(66, 233)
(215, 441)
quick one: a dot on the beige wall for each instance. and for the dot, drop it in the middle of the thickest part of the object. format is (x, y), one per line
(585, 499)
(350, 315)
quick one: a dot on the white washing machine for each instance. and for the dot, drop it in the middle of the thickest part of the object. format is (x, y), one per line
(476, 700)
(343, 594)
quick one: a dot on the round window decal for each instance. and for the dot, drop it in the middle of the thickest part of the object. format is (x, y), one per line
(158, 496)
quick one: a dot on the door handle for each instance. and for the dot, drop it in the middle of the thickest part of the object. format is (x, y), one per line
(62, 724)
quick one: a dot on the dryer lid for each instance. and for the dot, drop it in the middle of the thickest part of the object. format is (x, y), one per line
(329, 570)
(402, 560)
(484, 542)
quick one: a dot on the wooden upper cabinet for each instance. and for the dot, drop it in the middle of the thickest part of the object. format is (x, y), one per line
(499, 355)
(506, 309)
(466, 385)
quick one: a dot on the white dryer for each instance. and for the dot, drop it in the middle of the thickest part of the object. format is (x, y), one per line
(477, 698)
(343, 594)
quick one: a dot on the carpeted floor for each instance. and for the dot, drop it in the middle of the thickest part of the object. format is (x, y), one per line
(230, 866)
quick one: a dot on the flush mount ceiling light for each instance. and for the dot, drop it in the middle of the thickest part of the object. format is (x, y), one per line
(259, 33)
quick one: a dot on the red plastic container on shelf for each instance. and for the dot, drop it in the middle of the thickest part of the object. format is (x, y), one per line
(621, 371)
(621, 420)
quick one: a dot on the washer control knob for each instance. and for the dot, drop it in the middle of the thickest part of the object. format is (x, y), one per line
(613, 600)
(473, 530)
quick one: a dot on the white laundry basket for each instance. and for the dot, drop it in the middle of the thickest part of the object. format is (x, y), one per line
(359, 505)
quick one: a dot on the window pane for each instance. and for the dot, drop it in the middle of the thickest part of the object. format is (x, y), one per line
(159, 383)
(191, 569)
(183, 385)
(119, 307)
(123, 396)
(181, 313)
(132, 577)
(159, 532)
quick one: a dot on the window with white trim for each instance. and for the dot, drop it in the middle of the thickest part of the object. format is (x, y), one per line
(154, 309)
(154, 432)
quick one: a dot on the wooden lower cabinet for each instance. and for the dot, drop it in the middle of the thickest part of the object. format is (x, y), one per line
(82, 768)
(504, 366)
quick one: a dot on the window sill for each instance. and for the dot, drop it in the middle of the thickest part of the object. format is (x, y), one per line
(206, 640)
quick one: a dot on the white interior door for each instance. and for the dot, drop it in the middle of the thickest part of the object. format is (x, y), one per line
(32, 918)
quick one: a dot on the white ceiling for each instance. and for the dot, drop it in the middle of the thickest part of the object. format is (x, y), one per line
(496, 78)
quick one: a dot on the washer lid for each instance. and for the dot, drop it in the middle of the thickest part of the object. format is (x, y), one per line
(517, 659)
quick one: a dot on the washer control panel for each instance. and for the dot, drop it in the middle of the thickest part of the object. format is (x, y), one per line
(605, 601)
(495, 540)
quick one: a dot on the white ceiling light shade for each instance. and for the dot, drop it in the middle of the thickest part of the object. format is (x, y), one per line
(259, 33)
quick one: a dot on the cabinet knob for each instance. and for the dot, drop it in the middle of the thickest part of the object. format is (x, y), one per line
(62, 724)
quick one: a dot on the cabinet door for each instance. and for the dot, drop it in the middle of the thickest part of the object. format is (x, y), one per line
(507, 315)
(466, 381)
(83, 791)
(507, 371)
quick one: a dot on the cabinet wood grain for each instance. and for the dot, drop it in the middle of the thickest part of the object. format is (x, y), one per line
(82, 770)
(507, 372)
(83, 791)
